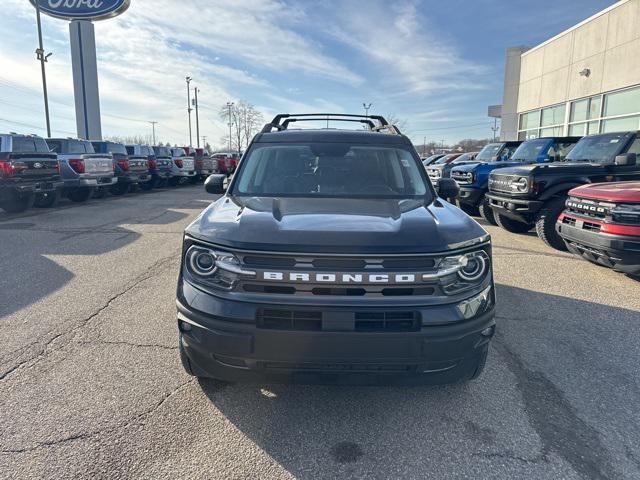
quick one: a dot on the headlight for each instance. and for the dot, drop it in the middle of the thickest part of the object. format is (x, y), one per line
(476, 304)
(521, 185)
(214, 268)
(626, 214)
(461, 272)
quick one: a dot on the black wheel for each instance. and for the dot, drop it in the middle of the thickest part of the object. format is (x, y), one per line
(47, 200)
(119, 189)
(80, 194)
(134, 187)
(470, 210)
(16, 204)
(173, 181)
(511, 225)
(146, 186)
(486, 212)
(546, 223)
(481, 362)
(100, 192)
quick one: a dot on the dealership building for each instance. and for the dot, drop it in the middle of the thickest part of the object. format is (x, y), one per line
(584, 80)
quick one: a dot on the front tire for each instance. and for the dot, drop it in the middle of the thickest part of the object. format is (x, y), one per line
(80, 195)
(510, 225)
(470, 210)
(16, 204)
(486, 212)
(147, 186)
(119, 189)
(546, 223)
(47, 200)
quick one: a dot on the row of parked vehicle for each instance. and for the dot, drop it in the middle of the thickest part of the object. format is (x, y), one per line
(579, 194)
(38, 171)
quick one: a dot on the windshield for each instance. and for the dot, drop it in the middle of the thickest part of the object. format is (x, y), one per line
(444, 159)
(331, 170)
(465, 157)
(178, 152)
(490, 151)
(598, 148)
(162, 151)
(30, 145)
(116, 148)
(531, 150)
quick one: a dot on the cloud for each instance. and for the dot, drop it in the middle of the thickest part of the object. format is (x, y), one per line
(410, 57)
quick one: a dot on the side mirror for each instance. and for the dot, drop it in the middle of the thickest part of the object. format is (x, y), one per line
(448, 188)
(215, 184)
(628, 159)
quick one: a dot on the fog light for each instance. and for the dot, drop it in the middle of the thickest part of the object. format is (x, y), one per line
(488, 332)
(477, 304)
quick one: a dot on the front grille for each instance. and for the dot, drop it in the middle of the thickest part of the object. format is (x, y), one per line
(588, 208)
(311, 320)
(501, 182)
(462, 178)
(339, 265)
(584, 225)
(592, 227)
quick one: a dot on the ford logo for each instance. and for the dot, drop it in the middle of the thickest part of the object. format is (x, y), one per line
(82, 9)
(37, 165)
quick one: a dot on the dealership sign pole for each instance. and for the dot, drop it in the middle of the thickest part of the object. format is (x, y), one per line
(81, 14)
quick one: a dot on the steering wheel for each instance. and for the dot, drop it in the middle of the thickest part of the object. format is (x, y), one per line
(376, 188)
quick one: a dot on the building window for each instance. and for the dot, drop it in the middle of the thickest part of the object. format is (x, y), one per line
(551, 119)
(621, 124)
(622, 103)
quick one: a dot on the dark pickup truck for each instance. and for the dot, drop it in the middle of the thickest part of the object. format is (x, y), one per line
(531, 196)
(129, 172)
(28, 171)
(330, 258)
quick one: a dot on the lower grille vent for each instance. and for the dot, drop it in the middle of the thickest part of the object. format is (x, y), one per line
(300, 320)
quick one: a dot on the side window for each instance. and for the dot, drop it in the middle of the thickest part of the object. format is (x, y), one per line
(635, 147)
(564, 149)
(55, 146)
(130, 150)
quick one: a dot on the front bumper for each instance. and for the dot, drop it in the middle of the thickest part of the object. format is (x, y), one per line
(619, 252)
(222, 338)
(520, 209)
(470, 195)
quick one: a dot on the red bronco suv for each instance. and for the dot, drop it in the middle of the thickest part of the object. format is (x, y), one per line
(601, 222)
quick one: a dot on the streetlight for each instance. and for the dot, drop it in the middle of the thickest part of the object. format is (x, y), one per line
(229, 106)
(40, 55)
(188, 79)
(195, 91)
(366, 108)
(153, 126)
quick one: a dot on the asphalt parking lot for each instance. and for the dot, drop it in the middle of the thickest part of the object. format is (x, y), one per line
(91, 385)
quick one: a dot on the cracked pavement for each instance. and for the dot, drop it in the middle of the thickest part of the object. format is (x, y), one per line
(91, 384)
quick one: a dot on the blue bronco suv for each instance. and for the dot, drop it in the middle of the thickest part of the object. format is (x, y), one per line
(473, 178)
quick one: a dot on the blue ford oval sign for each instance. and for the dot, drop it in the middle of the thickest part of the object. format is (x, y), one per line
(82, 9)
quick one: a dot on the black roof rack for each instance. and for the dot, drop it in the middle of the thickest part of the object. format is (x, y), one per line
(368, 120)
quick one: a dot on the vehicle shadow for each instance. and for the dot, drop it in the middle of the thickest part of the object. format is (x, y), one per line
(30, 240)
(555, 366)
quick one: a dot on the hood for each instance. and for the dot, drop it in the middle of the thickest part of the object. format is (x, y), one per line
(623, 192)
(323, 225)
(555, 168)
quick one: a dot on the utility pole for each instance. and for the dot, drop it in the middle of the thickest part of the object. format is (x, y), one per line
(495, 128)
(188, 79)
(229, 106)
(40, 55)
(366, 108)
(153, 126)
(424, 146)
(195, 91)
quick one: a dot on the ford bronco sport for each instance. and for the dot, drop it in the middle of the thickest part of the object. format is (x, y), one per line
(330, 258)
(534, 195)
(601, 223)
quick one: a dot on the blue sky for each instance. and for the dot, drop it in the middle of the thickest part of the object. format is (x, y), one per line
(435, 65)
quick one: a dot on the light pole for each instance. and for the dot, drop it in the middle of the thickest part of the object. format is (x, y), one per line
(188, 79)
(40, 55)
(495, 128)
(153, 126)
(229, 106)
(424, 146)
(195, 91)
(366, 108)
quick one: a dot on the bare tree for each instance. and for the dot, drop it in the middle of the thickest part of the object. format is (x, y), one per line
(130, 139)
(245, 122)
